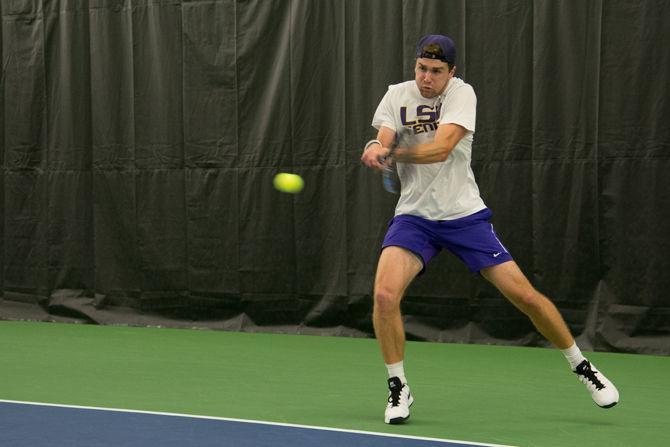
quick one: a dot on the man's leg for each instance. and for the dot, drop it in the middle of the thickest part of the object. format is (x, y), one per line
(514, 285)
(396, 269)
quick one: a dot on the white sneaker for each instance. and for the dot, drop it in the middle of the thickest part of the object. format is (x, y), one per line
(603, 392)
(400, 399)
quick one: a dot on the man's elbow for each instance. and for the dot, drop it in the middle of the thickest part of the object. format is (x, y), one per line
(444, 153)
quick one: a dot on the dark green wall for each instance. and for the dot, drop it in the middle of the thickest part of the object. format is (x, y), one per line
(140, 138)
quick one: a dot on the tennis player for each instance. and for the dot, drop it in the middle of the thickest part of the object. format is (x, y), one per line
(440, 208)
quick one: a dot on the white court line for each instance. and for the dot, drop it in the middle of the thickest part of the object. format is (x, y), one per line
(249, 421)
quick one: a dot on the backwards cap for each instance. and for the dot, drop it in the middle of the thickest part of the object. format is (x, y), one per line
(437, 46)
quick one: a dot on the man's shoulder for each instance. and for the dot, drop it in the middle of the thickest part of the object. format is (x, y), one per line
(456, 84)
(401, 87)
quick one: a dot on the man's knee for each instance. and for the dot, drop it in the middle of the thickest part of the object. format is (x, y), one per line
(529, 301)
(386, 302)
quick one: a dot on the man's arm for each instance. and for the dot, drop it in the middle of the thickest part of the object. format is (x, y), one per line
(446, 138)
(374, 153)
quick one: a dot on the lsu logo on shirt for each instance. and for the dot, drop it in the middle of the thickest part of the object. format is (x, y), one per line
(423, 119)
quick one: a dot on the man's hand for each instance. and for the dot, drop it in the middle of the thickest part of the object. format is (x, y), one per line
(374, 156)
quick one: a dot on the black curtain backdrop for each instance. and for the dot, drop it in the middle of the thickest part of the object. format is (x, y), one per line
(140, 138)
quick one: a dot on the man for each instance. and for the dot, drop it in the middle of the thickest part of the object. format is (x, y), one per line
(440, 208)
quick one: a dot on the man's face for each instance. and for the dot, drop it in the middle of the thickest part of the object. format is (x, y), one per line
(432, 76)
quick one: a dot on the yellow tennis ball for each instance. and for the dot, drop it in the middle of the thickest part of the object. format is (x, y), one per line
(290, 183)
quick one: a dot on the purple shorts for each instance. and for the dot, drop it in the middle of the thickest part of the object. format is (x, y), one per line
(471, 238)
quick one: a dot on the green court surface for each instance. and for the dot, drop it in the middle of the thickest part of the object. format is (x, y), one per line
(504, 395)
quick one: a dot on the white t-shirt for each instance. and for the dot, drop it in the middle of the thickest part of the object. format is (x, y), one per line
(438, 191)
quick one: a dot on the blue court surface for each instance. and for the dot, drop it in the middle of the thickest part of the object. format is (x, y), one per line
(27, 424)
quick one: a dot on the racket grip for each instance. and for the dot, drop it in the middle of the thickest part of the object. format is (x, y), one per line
(389, 182)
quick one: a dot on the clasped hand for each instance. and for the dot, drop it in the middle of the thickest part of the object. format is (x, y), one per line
(375, 157)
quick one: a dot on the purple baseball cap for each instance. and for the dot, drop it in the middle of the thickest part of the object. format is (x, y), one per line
(437, 46)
